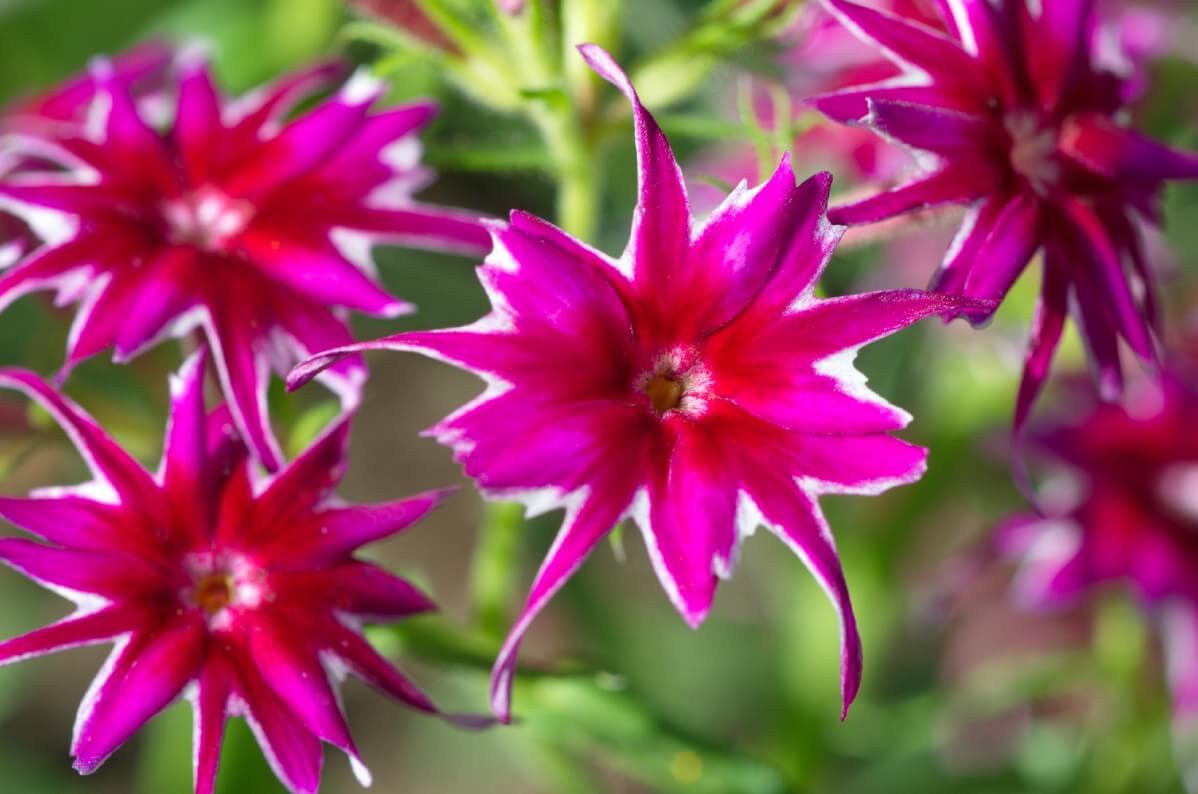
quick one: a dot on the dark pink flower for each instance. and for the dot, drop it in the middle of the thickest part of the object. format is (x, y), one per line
(696, 384)
(1124, 511)
(256, 231)
(1014, 116)
(237, 592)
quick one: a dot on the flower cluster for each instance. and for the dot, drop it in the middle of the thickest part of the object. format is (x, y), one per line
(701, 385)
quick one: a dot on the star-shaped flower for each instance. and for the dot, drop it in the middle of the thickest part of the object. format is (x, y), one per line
(1129, 516)
(238, 592)
(1014, 115)
(696, 385)
(256, 231)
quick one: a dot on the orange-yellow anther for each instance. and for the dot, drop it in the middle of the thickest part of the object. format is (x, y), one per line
(214, 592)
(665, 393)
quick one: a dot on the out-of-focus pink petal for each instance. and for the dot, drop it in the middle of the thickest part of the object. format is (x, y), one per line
(1047, 327)
(293, 752)
(1123, 154)
(90, 628)
(953, 184)
(211, 707)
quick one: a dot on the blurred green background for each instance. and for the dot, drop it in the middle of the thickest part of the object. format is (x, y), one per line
(962, 693)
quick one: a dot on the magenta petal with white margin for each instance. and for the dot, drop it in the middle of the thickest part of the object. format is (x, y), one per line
(650, 386)
(235, 589)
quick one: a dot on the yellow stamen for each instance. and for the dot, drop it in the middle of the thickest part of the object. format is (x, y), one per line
(665, 393)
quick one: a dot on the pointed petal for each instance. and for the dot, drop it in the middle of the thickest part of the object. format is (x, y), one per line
(238, 346)
(211, 713)
(849, 105)
(297, 677)
(1101, 260)
(106, 460)
(1123, 154)
(744, 243)
(305, 260)
(941, 130)
(262, 108)
(958, 183)
(149, 676)
(305, 482)
(797, 520)
(197, 122)
(334, 534)
(163, 290)
(95, 572)
(962, 255)
(830, 326)
(906, 42)
(294, 754)
(1047, 327)
(355, 588)
(185, 452)
(582, 528)
(135, 154)
(1013, 240)
(425, 226)
(305, 143)
(75, 631)
(69, 520)
(692, 519)
(369, 665)
(661, 224)
(858, 464)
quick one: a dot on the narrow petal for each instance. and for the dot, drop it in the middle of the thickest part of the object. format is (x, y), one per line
(906, 42)
(858, 464)
(293, 752)
(940, 130)
(1013, 240)
(795, 518)
(850, 105)
(355, 588)
(1047, 327)
(962, 255)
(692, 518)
(96, 572)
(164, 289)
(661, 223)
(425, 226)
(104, 457)
(297, 677)
(369, 665)
(1102, 262)
(215, 687)
(1123, 154)
(582, 528)
(959, 183)
(262, 109)
(197, 122)
(305, 482)
(69, 520)
(239, 352)
(305, 143)
(830, 326)
(140, 686)
(76, 631)
(185, 453)
(332, 535)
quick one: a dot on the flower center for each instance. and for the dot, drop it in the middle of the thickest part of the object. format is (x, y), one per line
(678, 381)
(205, 218)
(221, 583)
(664, 393)
(213, 592)
(1033, 152)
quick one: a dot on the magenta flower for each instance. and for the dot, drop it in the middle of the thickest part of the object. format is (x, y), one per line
(696, 385)
(238, 593)
(255, 231)
(1129, 517)
(1015, 117)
